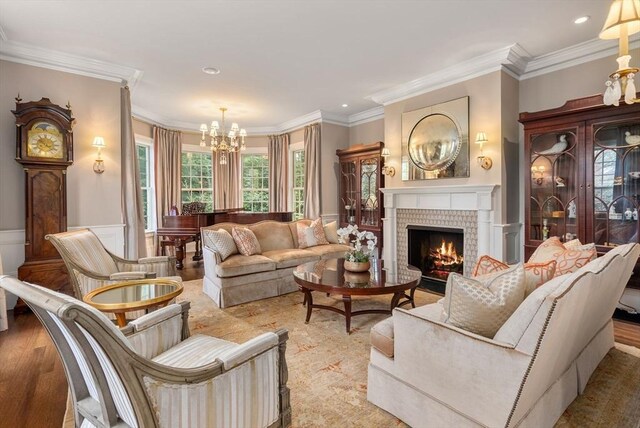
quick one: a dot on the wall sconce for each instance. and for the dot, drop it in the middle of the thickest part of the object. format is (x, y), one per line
(484, 161)
(98, 165)
(537, 174)
(387, 170)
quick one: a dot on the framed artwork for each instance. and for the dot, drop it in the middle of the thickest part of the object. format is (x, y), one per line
(435, 141)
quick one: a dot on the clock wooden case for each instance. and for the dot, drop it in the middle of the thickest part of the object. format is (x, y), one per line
(44, 147)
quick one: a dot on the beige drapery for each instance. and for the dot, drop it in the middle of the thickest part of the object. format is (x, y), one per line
(226, 182)
(131, 199)
(278, 172)
(312, 171)
(167, 149)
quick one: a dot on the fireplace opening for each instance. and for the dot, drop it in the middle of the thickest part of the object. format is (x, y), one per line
(437, 252)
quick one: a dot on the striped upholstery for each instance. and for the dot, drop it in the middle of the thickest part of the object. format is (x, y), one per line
(161, 266)
(246, 396)
(87, 251)
(196, 351)
(156, 332)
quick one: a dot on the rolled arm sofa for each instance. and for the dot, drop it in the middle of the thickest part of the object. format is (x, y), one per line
(240, 279)
(432, 374)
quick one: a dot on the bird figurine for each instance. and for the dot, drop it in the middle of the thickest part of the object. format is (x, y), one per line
(559, 182)
(632, 140)
(558, 147)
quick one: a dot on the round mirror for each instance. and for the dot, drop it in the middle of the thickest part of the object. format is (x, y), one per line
(434, 143)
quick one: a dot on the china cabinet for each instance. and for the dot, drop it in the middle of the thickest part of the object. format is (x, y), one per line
(582, 175)
(359, 196)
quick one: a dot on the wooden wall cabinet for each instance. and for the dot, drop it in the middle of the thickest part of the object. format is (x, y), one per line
(360, 200)
(582, 175)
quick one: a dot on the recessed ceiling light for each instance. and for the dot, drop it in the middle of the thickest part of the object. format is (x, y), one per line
(345, 105)
(581, 20)
(211, 70)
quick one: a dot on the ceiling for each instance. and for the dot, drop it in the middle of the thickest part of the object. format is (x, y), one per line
(284, 59)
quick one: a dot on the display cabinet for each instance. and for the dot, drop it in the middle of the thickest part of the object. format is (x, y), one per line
(582, 175)
(359, 196)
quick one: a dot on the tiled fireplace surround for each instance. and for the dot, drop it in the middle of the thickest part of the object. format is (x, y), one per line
(470, 208)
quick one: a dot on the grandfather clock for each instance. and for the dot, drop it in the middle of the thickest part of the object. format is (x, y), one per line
(44, 147)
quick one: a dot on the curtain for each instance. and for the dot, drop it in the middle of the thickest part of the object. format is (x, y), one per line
(312, 171)
(278, 172)
(131, 202)
(226, 181)
(167, 149)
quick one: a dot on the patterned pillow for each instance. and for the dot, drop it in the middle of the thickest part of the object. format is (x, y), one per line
(246, 241)
(568, 259)
(481, 305)
(575, 244)
(331, 232)
(536, 274)
(219, 241)
(312, 235)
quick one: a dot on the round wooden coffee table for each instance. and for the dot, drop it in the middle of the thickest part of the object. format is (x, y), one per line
(329, 276)
(128, 296)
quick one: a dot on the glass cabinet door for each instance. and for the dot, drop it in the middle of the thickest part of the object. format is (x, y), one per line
(349, 196)
(369, 213)
(616, 183)
(554, 185)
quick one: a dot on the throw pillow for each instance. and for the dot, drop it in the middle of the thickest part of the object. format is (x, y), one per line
(246, 241)
(536, 274)
(219, 241)
(575, 244)
(312, 235)
(482, 304)
(331, 232)
(568, 259)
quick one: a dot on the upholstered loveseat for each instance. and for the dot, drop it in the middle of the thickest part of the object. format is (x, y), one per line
(431, 374)
(239, 279)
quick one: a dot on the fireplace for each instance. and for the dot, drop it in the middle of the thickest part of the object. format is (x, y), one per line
(437, 252)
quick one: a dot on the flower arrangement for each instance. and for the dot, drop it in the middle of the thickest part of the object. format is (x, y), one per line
(359, 253)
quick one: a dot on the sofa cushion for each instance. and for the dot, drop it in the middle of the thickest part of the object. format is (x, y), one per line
(331, 232)
(536, 274)
(569, 260)
(243, 265)
(220, 241)
(312, 235)
(481, 305)
(329, 251)
(194, 351)
(273, 235)
(293, 227)
(246, 241)
(289, 258)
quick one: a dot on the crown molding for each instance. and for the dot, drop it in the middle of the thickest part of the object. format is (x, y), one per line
(581, 53)
(55, 60)
(366, 116)
(512, 57)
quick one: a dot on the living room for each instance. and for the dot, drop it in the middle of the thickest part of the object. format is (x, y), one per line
(217, 156)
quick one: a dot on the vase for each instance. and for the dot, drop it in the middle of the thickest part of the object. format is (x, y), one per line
(357, 266)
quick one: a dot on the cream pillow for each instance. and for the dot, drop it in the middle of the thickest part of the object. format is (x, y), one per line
(219, 241)
(482, 304)
(568, 259)
(331, 232)
(536, 274)
(246, 241)
(312, 235)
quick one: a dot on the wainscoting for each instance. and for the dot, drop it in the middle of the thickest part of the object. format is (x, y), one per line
(12, 247)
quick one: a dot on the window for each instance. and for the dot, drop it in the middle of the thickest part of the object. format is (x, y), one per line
(196, 178)
(255, 182)
(298, 184)
(145, 162)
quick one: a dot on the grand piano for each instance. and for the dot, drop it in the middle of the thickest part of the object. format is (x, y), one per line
(178, 230)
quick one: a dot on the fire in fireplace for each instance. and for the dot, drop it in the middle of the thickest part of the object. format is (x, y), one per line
(437, 251)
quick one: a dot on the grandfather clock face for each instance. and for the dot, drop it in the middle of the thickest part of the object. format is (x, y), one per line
(44, 140)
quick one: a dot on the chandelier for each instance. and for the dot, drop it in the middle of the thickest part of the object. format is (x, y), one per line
(221, 141)
(623, 20)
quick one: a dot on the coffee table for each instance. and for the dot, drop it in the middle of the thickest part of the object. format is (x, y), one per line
(126, 296)
(329, 276)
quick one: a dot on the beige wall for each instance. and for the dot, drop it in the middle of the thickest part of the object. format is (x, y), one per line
(92, 199)
(334, 137)
(367, 133)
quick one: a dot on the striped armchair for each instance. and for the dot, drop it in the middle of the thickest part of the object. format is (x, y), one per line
(151, 373)
(91, 266)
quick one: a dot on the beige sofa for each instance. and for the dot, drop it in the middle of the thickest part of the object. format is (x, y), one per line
(435, 375)
(240, 279)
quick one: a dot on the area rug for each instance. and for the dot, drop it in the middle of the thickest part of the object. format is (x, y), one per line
(328, 367)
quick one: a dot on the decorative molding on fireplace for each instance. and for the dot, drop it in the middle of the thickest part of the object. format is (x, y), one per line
(498, 240)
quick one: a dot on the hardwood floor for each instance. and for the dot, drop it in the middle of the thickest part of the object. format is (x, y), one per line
(33, 388)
